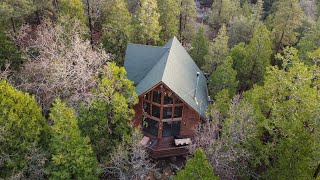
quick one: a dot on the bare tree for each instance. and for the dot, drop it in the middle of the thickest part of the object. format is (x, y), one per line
(4, 74)
(226, 152)
(61, 64)
(129, 162)
(310, 9)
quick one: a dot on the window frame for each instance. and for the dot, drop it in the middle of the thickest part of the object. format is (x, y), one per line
(162, 106)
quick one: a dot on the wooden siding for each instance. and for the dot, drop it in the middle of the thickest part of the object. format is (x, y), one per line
(190, 120)
(164, 146)
(137, 119)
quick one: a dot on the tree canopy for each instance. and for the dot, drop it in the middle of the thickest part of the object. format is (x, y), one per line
(197, 168)
(72, 155)
(21, 127)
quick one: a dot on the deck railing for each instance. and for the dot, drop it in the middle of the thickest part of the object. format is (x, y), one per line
(171, 150)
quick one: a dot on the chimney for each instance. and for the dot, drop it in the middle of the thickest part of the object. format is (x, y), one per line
(195, 92)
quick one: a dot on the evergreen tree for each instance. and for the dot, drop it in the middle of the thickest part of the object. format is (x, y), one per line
(72, 9)
(285, 22)
(188, 14)
(147, 27)
(117, 30)
(44, 9)
(106, 119)
(169, 22)
(200, 48)
(259, 53)
(287, 107)
(309, 42)
(250, 61)
(241, 30)
(72, 155)
(222, 101)
(8, 52)
(197, 168)
(243, 26)
(11, 11)
(222, 11)
(218, 50)
(21, 126)
(224, 77)
(242, 65)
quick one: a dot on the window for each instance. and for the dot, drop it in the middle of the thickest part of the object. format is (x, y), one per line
(146, 107)
(150, 126)
(171, 128)
(157, 96)
(169, 107)
(167, 113)
(147, 96)
(168, 98)
(178, 111)
(155, 111)
(178, 101)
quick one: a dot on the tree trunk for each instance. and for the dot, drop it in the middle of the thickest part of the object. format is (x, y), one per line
(90, 24)
(316, 173)
(278, 48)
(13, 26)
(38, 16)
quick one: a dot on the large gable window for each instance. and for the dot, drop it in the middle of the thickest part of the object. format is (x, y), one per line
(150, 126)
(157, 96)
(161, 105)
(171, 128)
(167, 113)
(168, 98)
(156, 111)
(178, 111)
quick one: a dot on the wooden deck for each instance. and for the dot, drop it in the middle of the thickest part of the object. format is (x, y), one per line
(164, 147)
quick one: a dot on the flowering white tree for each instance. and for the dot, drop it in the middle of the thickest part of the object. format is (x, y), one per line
(60, 63)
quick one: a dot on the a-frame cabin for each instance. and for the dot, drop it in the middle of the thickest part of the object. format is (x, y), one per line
(172, 96)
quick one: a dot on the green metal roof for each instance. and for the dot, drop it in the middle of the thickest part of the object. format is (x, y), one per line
(171, 64)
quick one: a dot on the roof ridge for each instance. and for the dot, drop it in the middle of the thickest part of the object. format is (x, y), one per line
(170, 52)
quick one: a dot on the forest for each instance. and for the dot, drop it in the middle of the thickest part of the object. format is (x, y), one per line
(66, 103)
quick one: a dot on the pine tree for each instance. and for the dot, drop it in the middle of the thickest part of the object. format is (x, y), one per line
(169, 21)
(147, 27)
(197, 168)
(309, 42)
(8, 52)
(218, 50)
(44, 9)
(222, 101)
(72, 155)
(285, 22)
(243, 26)
(72, 9)
(259, 53)
(250, 61)
(187, 17)
(222, 11)
(287, 107)
(11, 11)
(106, 119)
(224, 77)
(117, 30)
(242, 65)
(21, 126)
(200, 48)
